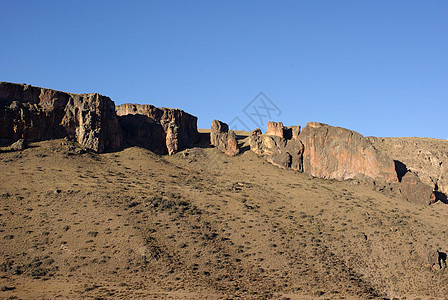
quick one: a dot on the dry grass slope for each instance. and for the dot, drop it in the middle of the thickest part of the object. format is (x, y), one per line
(199, 224)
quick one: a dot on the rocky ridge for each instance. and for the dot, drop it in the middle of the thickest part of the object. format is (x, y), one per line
(35, 114)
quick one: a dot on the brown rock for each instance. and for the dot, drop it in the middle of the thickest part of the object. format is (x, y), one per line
(162, 130)
(216, 131)
(415, 191)
(426, 157)
(34, 114)
(276, 129)
(223, 138)
(295, 131)
(338, 153)
(280, 151)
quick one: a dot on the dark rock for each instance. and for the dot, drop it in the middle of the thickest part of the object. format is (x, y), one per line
(416, 191)
(35, 114)
(162, 130)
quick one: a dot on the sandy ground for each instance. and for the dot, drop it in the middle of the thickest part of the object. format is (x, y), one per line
(201, 225)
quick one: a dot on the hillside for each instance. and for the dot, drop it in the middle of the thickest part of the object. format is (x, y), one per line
(200, 224)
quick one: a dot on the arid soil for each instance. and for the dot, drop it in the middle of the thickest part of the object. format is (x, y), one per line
(203, 225)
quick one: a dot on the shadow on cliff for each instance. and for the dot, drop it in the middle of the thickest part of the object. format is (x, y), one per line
(401, 169)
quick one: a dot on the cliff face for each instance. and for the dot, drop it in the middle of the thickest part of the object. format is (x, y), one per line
(323, 151)
(163, 130)
(338, 153)
(34, 114)
(427, 158)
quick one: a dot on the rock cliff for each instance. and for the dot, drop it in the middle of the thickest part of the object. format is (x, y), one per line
(34, 113)
(338, 153)
(162, 130)
(427, 158)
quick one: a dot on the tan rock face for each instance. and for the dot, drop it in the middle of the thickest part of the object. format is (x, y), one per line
(34, 114)
(223, 138)
(279, 151)
(337, 153)
(162, 130)
(276, 129)
(427, 158)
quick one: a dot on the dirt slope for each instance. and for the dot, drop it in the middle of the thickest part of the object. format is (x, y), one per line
(201, 225)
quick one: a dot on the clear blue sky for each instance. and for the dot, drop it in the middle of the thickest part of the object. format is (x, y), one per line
(377, 67)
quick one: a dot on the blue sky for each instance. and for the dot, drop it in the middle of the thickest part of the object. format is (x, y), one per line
(376, 67)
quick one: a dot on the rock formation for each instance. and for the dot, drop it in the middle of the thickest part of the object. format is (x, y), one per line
(280, 151)
(34, 114)
(223, 138)
(338, 153)
(427, 158)
(415, 191)
(162, 130)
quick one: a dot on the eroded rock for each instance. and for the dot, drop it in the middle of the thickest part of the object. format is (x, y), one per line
(35, 114)
(162, 130)
(223, 138)
(338, 153)
(416, 191)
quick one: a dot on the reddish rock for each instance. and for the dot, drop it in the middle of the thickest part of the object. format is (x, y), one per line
(276, 129)
(217, 129)
(338, 153)
(416, 191)
(279, 151)
(223, 138)
(35, 114)
(162, 130)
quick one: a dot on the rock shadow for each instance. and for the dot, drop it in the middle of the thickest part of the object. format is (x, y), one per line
(441, 259)
(401, 169)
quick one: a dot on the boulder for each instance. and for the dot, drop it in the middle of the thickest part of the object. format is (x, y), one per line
(19, 145)
(35, 114)
(416, 191)
(338, 153)
(162, 130)
(223, 138)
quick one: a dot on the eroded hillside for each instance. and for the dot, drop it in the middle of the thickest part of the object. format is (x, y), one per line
(201, 224)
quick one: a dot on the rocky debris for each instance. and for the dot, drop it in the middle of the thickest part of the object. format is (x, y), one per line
(223, 138)
(415, 191)
(427, 158)
(162, 130)
(282, 152)
(35, 114)
(19, 145)
(338, 153)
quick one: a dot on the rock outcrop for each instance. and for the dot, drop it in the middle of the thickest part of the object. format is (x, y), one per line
(280, 151)
(413, 190)
(322, 151)
(223, 138)
(426, 158)
(34, 114)
(338, 153)
(162, 130)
